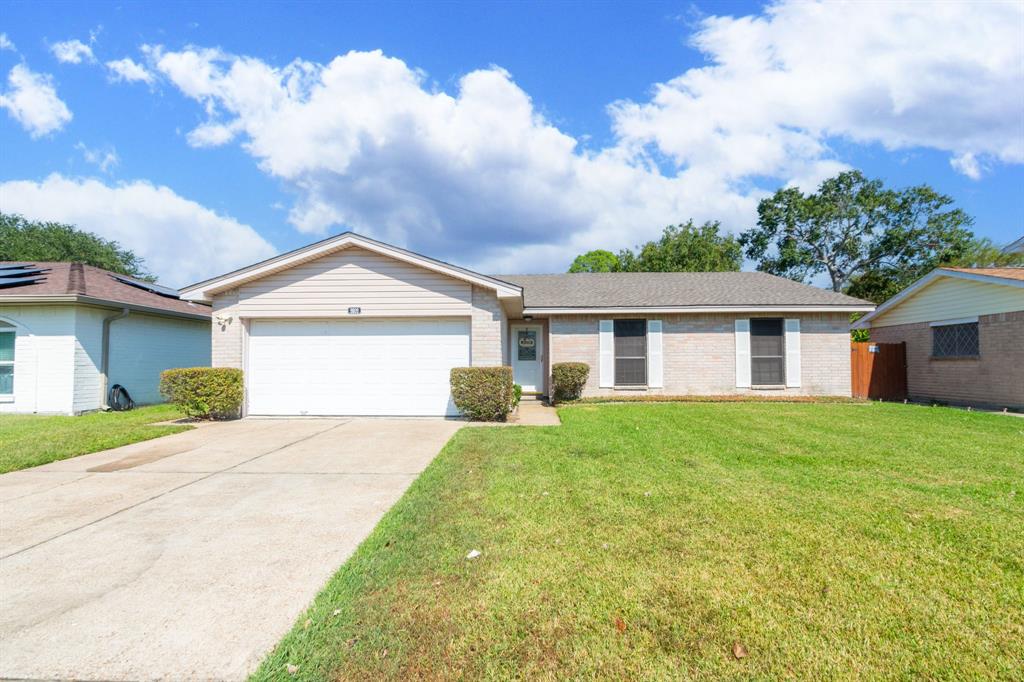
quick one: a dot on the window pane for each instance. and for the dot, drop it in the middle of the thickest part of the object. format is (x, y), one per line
(526, 342)
(767, 371)
(630, 352)
(955, 341)
(6, 346)
(630, 371)
(6, 379)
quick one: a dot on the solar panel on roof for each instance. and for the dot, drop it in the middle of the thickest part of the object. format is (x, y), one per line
(21, 274)
(147, 286)
(19, 281)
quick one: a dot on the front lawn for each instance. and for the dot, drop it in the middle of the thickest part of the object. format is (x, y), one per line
(669, 541)
(28, 440)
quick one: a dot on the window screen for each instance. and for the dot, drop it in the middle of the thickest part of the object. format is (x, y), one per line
(630, 352)
(955, 341)
(767, 352)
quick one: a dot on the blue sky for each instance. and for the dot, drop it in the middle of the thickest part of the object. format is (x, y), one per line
(504, 136)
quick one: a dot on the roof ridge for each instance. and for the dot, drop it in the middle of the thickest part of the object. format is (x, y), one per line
(76, 278)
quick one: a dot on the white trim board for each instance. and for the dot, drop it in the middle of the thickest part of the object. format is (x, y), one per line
(700, 309)
(947, 323)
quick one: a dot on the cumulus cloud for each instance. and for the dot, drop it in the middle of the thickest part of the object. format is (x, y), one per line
(946, 76)
(31, 99)
(181, 240)
(128, 71)
(367, 142)
(72, 52)
(6, 44)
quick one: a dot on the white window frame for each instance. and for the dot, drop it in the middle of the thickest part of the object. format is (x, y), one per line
(7, 397)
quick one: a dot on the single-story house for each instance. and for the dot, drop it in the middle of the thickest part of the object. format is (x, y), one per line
(963, 329)
(69, 331)
(351, 325)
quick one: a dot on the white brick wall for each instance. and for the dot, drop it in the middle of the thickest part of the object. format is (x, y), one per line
(226, 350)
(489, 330)
(700, 353)
(44, 355)
(88, 357)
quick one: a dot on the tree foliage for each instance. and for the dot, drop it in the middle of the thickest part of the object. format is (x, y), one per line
(681, 248)
(870, 241)
(31, 240)
(597, 260)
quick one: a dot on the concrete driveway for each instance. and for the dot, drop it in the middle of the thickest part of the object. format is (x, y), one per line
(189, 556)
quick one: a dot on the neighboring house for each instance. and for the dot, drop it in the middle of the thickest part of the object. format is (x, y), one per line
(1015, 247)
(963, 328)
(68, 331)
(350, 325)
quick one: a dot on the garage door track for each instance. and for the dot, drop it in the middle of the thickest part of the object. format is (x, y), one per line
(189, 556)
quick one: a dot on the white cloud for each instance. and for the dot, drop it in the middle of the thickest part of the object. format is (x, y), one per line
(181, 240)
(967, 163)
(32, 101)
(129, 71)
(6, 44)
(72, 52)
(367, 142)
(104, 159)
(947, 76)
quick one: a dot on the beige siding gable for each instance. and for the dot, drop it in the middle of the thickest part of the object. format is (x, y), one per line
(354, 277)
(950, 298)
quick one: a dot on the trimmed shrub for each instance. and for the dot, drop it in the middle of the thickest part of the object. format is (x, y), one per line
(483, 393)
(517, 395)
(204, 392)
(568, 379)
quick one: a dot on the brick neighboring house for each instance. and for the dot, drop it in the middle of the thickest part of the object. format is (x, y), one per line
(964, 330)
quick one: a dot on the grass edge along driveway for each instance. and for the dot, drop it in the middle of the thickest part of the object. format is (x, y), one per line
(28, 440)
(691, 541)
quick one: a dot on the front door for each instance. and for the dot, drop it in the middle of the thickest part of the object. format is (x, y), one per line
(528, 357)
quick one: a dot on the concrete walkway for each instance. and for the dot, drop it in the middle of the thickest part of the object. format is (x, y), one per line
(188, 557)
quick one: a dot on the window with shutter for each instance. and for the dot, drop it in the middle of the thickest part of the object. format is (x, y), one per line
(767, 352)
(630, 352)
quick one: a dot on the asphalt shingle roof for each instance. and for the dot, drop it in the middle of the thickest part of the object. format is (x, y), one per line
(71, 279)
(668, 289)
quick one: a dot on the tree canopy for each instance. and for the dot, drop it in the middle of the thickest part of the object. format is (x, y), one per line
(598, 260)
(31, 240)
(871, 241)
(681, 248)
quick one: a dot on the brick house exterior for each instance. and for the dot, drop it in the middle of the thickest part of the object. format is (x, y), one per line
(381, 325)
(988, 303)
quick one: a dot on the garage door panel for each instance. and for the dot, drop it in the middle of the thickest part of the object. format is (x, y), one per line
(366, 367)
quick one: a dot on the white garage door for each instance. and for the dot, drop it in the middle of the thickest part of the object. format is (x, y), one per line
(354, 367)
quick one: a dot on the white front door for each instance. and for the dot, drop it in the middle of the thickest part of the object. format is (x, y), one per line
(528, 357)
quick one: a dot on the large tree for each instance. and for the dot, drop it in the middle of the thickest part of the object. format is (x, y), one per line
(868, 239)
(681, 248)
(31, 240)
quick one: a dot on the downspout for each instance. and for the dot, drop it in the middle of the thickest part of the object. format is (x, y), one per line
(105, 355)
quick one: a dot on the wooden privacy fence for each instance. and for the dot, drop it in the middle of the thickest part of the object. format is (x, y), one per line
(879, 370)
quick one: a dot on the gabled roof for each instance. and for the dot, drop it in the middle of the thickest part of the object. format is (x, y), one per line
(1010, 277)
(202, 291)
(667, 291)
(1014, 247)
(80, 283)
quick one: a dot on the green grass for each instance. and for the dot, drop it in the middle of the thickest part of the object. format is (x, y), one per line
(28, 440)
(853, 541)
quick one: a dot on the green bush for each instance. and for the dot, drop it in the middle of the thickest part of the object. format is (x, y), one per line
(483, 393)
(568, 379)
(517, 395)
(204, 392)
